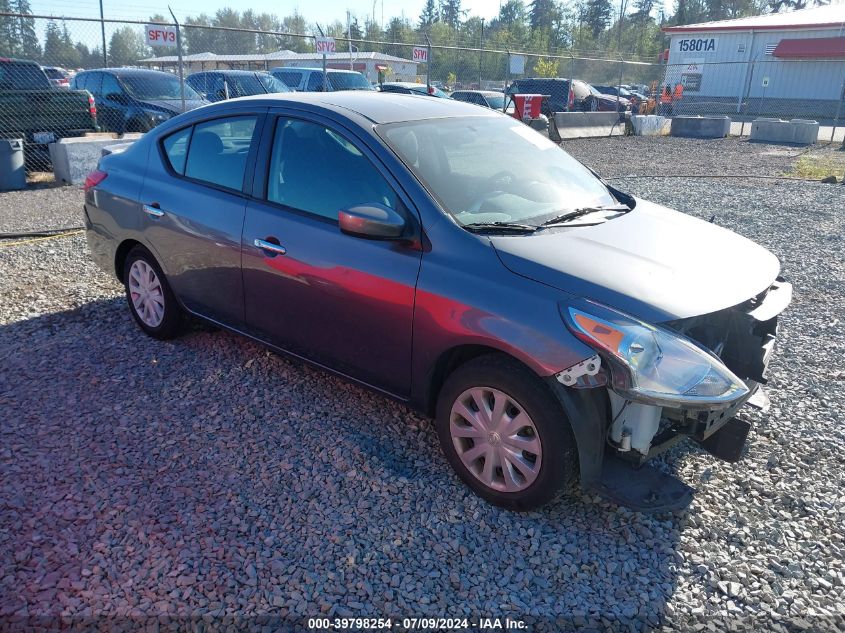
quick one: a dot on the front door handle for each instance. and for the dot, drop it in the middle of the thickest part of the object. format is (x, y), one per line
(153, 210)
(270, 247)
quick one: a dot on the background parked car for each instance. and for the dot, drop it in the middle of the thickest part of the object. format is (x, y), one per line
(410, 88)
(582, 97)
(218, 85)
(602, 102)
(59, 77)
(134, 99)
(32, 109)
(487, 98)
(311, 79)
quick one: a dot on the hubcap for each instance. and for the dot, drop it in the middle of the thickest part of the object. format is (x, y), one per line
(146, 293)
(495, 439)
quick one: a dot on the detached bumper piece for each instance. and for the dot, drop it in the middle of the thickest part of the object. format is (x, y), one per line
(728, 442)
(643, 488)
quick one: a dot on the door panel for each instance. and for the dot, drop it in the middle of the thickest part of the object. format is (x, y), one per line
(342, 301)
(198, 235)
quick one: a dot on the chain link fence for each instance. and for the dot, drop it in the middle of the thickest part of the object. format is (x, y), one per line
(104, 76)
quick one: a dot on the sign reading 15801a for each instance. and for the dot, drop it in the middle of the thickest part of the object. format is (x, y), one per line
(697, 44)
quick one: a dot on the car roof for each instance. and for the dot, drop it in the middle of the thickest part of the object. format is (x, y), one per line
(316, 70)
(484, 93)
(378, 107)
(404, 84)
(130, 71)
(226, 72)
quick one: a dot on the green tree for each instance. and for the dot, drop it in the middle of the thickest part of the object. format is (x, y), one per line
(544, 67)
(8, 43)
(428, 16)
(126, 47)
(451, 13)
(27, 39)
(597, 15)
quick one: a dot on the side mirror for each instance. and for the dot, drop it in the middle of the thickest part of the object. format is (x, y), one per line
(371, 221)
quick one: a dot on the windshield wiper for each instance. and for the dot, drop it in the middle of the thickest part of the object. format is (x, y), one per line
(577, 213)
(510, 227)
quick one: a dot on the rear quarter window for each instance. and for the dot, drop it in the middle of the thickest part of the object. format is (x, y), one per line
(176, 149)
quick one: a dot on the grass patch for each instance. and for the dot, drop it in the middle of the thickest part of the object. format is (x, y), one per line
(818, 167)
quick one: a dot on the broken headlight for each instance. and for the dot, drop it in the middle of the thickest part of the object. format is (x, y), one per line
(652, 365)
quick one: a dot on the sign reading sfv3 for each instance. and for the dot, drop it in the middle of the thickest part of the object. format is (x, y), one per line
(325, 45)
(698, 45)
(160, 35)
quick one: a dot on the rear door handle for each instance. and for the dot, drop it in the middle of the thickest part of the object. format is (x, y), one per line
(153, 210)
(276, 249)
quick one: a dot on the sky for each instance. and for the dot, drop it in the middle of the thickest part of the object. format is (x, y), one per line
(321, 11)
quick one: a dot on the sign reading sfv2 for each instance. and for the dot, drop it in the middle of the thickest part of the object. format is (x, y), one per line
(160, 35)
(697, 45)
(325, 45)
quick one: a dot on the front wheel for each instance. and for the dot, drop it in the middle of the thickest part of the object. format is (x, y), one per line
(505, 434)
(594, 105)
(151, 301)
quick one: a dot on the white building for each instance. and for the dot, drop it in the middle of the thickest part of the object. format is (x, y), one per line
(790, 64)
(368, 63)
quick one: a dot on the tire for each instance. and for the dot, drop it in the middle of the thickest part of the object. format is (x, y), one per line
(594, 105)
(160, 315)
(521, 479)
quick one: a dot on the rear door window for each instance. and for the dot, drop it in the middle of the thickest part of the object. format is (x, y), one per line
(218, 151)
(22, 76)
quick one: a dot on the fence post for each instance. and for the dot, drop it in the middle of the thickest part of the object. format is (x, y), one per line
(571, 77)
(103, 34)
(746, 96)
(838, 109)
(619, 85)
(507, 80)
(179, 56)
(427, 64)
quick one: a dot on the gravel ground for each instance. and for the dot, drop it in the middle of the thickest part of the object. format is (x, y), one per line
(654, 155)
(207, 476)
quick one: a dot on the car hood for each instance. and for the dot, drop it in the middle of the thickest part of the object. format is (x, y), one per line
(173, 106)
(654, 263)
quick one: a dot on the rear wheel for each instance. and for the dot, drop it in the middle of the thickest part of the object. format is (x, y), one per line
(151, 301)
(505, 434)
(593, 104)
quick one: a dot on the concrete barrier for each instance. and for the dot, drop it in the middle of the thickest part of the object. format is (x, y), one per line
(701, 126)
(586, 124)
(796, 131)
(649, 125)
(75, 158)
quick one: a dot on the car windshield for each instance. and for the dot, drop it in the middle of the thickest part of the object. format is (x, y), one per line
(494, 169)
(349, 81)
(155, 86)
(497, 102)
(271, 84)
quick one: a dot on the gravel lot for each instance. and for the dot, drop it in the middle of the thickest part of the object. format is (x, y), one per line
(207, 476)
